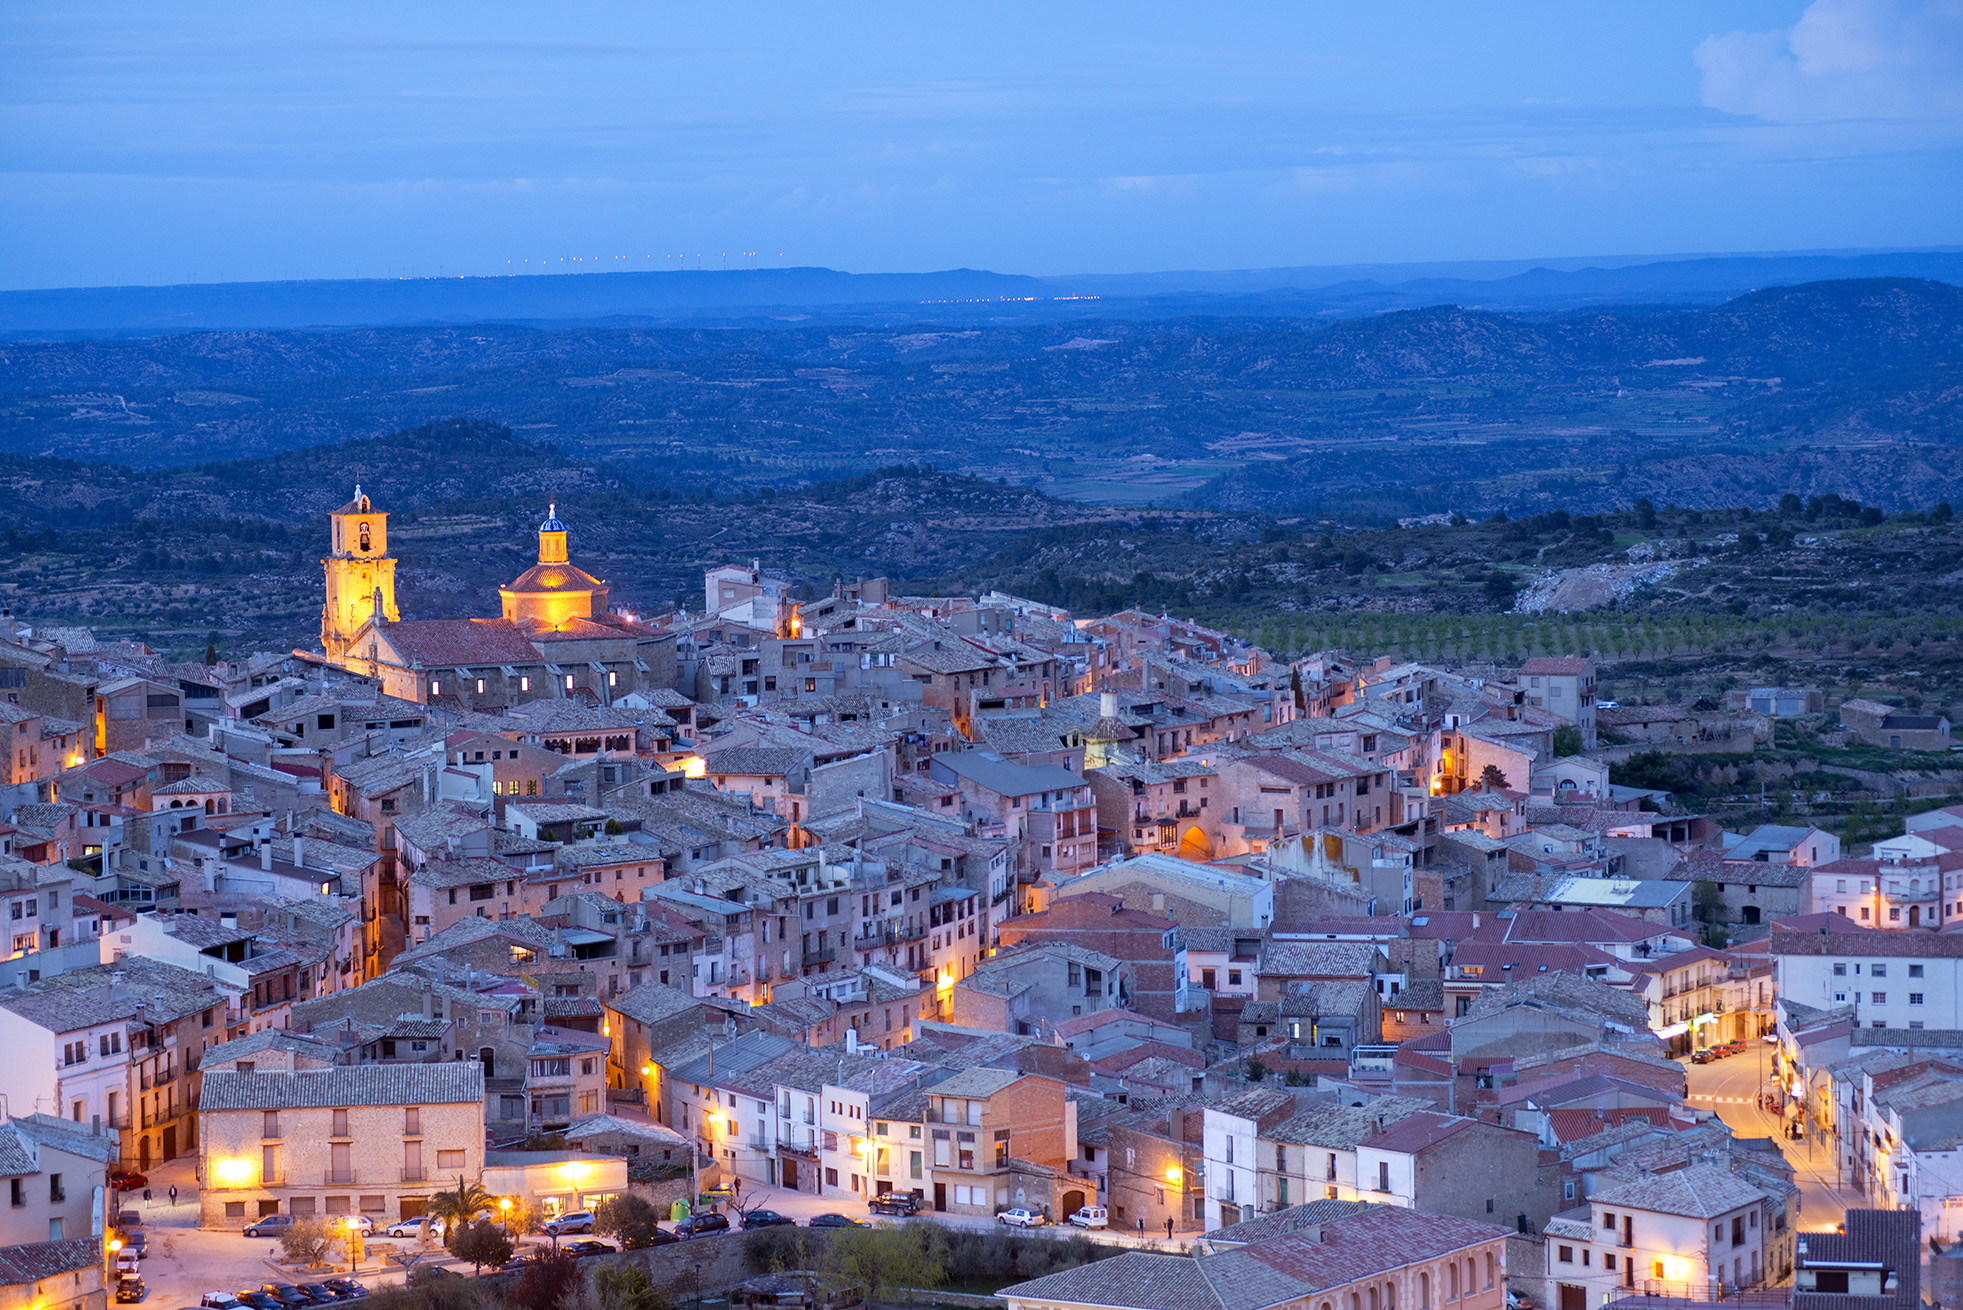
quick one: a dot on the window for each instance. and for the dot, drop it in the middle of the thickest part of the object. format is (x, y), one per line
(412, 1122)
(1915, 998)
(340, 1125)
(1840, 971)
(1915, 971)
(448, 1160)
(1564, 1254)
(1880, 998)
(412, 1162)
(1878, 971)
(270, 1127)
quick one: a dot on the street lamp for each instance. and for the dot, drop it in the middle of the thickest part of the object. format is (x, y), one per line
(504, 1207)
(355, 1251)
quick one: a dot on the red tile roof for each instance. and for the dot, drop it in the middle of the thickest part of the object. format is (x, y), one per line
(450, 643)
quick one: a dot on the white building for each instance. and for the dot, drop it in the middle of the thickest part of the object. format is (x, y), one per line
(1690, 1233)
(1891, 980)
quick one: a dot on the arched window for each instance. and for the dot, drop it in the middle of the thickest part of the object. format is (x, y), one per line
(1390, 1296)
(1452, 1281)
(1373, 1298)
(364, 539)
(1471, 1275)
(1424, 1290)
(1489, 1269)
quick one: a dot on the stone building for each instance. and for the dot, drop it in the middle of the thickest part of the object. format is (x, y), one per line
(367, 1139)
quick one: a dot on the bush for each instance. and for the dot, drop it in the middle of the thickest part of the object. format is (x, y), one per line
(627, 1287)
(547, 1280)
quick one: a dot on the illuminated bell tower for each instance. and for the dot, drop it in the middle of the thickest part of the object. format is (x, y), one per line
(360, 575)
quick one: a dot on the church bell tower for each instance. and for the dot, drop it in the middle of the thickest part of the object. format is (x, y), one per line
(360, 575)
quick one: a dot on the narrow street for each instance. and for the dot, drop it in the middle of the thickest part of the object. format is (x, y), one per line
(1731, 1088)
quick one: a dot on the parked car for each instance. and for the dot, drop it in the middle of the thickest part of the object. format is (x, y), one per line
(766, 1219)
(414, 1227)
(286, 1294)
(1702, 1057)
(1092, 1216)
(429, 1273)
(838, 1221)
(127, 1180)
(703, 1221)
(895, 1203)
(360, 1221)
(218, 1301)
(130, 1289)
(589, 1247)
(1733, 1048)
(579, 1221)
(1018, 1217)
(322, 1293)
(653, 1236)
(135, 1244)
(271, 1225)
(259, 1300)
(347, 1287)
(126, 1266)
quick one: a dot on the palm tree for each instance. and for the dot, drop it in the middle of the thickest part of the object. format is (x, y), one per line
(455, 1208)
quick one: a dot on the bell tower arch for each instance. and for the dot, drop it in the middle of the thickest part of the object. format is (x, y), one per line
(360, 575)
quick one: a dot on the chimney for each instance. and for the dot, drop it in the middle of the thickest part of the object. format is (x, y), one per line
(1475, 920)
(1107, 705)
(266, 857)
(299, 851)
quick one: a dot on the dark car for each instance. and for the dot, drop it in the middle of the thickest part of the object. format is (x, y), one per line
(767, 1219)
(707, 1221)
(345, 1287)
(651, 1236)
(127, 1180)
(1702, 1057)
(287, 1294)
(260, 1300)
(838, 1221)
(134, 1241)
(517, 1263)
(587, 1246)
(131, 1289)
(900, 1203)
(321, 1293)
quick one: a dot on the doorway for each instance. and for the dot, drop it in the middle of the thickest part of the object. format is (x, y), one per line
(489, 1059)
(790, 1174)
(143, 1154)
(170, 1143)
(1573, 1298)
(940, 1196)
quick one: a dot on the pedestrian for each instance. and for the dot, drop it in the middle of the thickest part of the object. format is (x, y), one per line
(1141, 1228)
(173, 1193)
(1168, 1228)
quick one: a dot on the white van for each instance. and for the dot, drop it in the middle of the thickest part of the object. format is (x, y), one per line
(1091, 1216)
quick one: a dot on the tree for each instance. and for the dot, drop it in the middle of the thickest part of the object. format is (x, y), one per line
(1256, 1071)
(1706, 901)
(1645, 514)
(631, 1219)
(547, 1279)
(1492, 778)
(877, 1259)
(482, 1243)
(627, 1287)
(1499, 587)
(306, 1241)
(1295, 690)
(457, 1208)
(1567, 741)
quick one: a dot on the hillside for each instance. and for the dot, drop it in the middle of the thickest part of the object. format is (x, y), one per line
(1231, 414)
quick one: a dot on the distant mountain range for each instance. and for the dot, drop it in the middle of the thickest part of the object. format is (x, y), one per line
(782, 297)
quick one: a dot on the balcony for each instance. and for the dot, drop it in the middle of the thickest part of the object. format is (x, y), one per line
(411, 1176)
(337, 1178)
(825, 956)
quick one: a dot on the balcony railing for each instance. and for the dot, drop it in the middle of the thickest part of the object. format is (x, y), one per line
(825, 956)
(337, 1177)
(414, 1176)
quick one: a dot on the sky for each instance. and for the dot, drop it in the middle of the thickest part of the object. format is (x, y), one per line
(150, 142)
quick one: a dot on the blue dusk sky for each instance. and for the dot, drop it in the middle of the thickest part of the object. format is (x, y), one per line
(155, 142)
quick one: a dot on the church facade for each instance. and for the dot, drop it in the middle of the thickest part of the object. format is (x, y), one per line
(556, 638)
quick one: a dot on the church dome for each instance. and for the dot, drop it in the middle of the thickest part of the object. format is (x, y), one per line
(553, 592)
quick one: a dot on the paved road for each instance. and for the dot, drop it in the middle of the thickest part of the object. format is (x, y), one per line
(1731, 1089)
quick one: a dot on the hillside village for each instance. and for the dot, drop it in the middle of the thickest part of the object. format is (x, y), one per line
(975, 907)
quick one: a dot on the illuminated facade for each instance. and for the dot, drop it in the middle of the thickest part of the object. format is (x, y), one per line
(360, 575)
(553, 594)
(555, 639)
